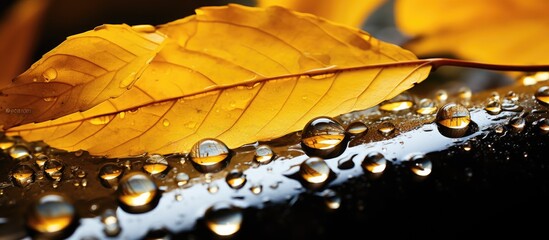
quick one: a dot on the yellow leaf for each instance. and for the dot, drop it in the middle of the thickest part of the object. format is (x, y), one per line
(234, 73)
(496, 31)
(350, 12)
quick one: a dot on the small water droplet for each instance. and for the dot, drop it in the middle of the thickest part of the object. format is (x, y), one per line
(20, 152)
(374, 162)
(54, 169)
(223, 219)
(111, 225)
(144, 28)
(22, 175)
(155, 164)
(40, 159)
(178, 197)
(528, 80)
(542, 76)
(213, 188)
(84, 182)
(426, 106)
(441, 95)
(51, 213)
(453, 116)
(182, 179)
(235, 179)
(78, 153)
(499, 129)
(511, 96)
(209, 155)
(493, 107)
(543, 125)
(165, 122)
(357, 128)
(517, 123)
(49, 99)
(467, 146)
(49, 75)
(465, 93)
(122, 115)
(263, 154)
(137, 189)
(322, 75)
(400, 102)
(110, 173)
(5, 144)
(386, 128)
(314, 170)
(256, 189)
(542, 95)
(421, 166)
(101, 120)
(331, 199)
(323, 136)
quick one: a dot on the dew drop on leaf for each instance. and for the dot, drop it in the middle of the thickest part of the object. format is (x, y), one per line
(314, 170)
(165, 122)
(51, 213)
(223, 219)
(49, 75)
(101, 120)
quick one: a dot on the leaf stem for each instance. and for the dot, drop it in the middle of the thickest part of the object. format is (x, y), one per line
(440, 62)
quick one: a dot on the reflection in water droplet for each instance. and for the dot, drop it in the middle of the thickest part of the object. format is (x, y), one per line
(111, 226)
(426, 106)
(101, 120)
(20, 152)
(542, 95)
(155, 164)
(5, 144)
(49, 75)
(22, 175)
(543, 125)
(441, 96)
(357, 128)
(421, 166)
(54, 169)
(314, 170)
(236, 179)
(323, 136)
(256, 189)
(517, 123)
(52, 213)
(209, 155)
(40, 159)
(453, 116)
(511, 96)
(223, 219)
(263, 154)
(386, 128)
(136, 189)
(182, 179)
(493, 107)
(465, 93)
(331, 199)
(374, 162)
(165, 122)
(400, 102)
(213, 188)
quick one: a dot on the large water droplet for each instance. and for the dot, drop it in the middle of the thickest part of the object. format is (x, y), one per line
(542, 95)
(386, 128)
(323, 136)
(421, 166)
(49, 75)
(453, 116)
(223, 219)
(111, 226)
(155, 164)
(137, 190)
(517, 123)
(400, 102)
(374, 162)
(20, 152)
(22, 175)
(314, 170)
(209, 155)
(54, 169)
(263, 154)
(235, 179)
(493, 107)
(426, 106)
(51, 213)
(110, 174)
(357, 128)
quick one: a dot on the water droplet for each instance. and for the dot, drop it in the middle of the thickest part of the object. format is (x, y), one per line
(400, 102)
(256, 189)
(453, 116)
(314, 170)
(528, 80)
(386, 128)
(441, 95)
(40, 159)
(357, 128)
(144, 28)
(155, 164)
(49, 99)
(426, 106)
(493, 107)
(494, 96)
(511, 96)
(54, 169)
(79, 153)
(49, 75)
(467, 146)
(322, 76)
(101, 120)
(509, 105)
(51, 213)
(542, 95)
(543, 125)
(20, 152)
(178, 197)
(209, 155)
(465, 93)
(236, 179)
(421, 166)
(22, 175)
(542, 76)
(323, 136)
(374, 162)
(110, 173)
(213, 188)
(111, 226)
(5, 144)
(263, 154)
(165, 122)
(223, 219)
(331, 199)
(499, 129)
(122, 115)
(517, 123)
(182, 179)
(137, 189)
